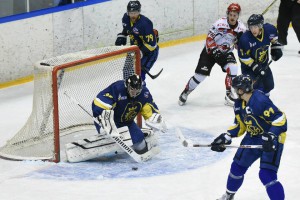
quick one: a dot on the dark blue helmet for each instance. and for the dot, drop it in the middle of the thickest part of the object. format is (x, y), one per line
(255, 20)
(134, 85)
(134, 6)
(243, 82)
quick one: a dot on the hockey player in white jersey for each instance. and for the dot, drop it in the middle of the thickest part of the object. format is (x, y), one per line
(220, 42)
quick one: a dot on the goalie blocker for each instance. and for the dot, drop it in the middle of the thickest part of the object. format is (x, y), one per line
(102, 146)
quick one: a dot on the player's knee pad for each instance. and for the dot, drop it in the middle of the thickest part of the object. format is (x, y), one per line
(231, 69)
(237, 171)
(267, 177)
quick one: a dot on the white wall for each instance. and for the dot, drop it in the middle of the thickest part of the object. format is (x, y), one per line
(26, 41)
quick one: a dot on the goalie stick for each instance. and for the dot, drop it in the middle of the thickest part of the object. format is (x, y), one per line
(189, 143)
(137, 157)
(149, 74)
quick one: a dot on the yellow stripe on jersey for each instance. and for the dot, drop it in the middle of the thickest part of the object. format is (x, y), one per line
(147, 111)
(280, 121)
(102, 104)
(148, 46)
(240, 124)
(247, 61)
(282, 137)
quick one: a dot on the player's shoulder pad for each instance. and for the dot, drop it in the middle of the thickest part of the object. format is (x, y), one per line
(245, 37)
(118, 85)
(221, 23)
(145, 20)
(125, 19)
(241, 27)
(145, 92)
(260, 99)
(269, 27)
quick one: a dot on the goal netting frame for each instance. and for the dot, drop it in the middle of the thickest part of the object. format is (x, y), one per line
(54, 121)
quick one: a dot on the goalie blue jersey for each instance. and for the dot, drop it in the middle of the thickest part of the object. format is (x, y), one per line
(255, 49)
(115, 97)
(259, 115)
(141, 32)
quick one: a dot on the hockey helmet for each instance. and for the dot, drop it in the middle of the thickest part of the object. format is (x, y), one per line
(134, 85)
(243, 82)
(256, 20)
(134, 6)
(234, 7)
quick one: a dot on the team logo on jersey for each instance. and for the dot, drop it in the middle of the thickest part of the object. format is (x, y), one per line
(135, 30)
(146, 94)
(253, 126)
(131, 113)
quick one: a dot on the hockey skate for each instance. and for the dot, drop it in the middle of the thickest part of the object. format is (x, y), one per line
(183, 97)
(227, 196)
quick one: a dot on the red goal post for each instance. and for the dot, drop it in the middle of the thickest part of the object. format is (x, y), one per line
(55, 120)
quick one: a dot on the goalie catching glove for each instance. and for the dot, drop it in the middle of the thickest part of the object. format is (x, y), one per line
(157, 123)
(107, 122)
(220, 141)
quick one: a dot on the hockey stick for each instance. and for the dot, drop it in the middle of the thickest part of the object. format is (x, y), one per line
(149, 74)
(137, 157)
(189, 143)
(267, 9)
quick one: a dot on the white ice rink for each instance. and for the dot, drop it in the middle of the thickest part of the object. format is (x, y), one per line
(178, 173)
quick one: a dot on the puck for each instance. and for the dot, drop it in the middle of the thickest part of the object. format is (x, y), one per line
(134, 168)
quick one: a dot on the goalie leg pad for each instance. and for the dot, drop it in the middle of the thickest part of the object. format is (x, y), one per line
(96, 146)
(151, 140)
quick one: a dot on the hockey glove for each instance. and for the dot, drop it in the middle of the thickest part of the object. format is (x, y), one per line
(108, 124)
(217, 144)
(258, 69)
(121, 40)
(217, 54)
(157, 123)
(269, 142)
(276, 52)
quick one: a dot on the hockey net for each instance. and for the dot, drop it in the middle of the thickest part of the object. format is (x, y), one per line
(54, 119)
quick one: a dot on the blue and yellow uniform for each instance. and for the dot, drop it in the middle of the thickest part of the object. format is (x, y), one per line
(256, 49)
(141, 34)
(259, 115)
(115, 97)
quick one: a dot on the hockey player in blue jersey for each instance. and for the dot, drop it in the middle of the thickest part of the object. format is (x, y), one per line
(123, 100)
(141, 33)
(253, 51)
(264, 124)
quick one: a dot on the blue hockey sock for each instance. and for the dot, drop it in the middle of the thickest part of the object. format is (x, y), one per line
(276, 191)
(274, 188)
(235, 177)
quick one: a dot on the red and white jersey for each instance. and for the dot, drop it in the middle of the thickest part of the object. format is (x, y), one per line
(222, 36)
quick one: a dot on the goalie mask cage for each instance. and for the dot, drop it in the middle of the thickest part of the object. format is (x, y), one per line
(54, 118)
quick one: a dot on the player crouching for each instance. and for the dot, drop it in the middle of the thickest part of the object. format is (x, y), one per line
(116, 107)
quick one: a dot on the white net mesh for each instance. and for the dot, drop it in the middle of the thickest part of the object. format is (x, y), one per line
(84, 80)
